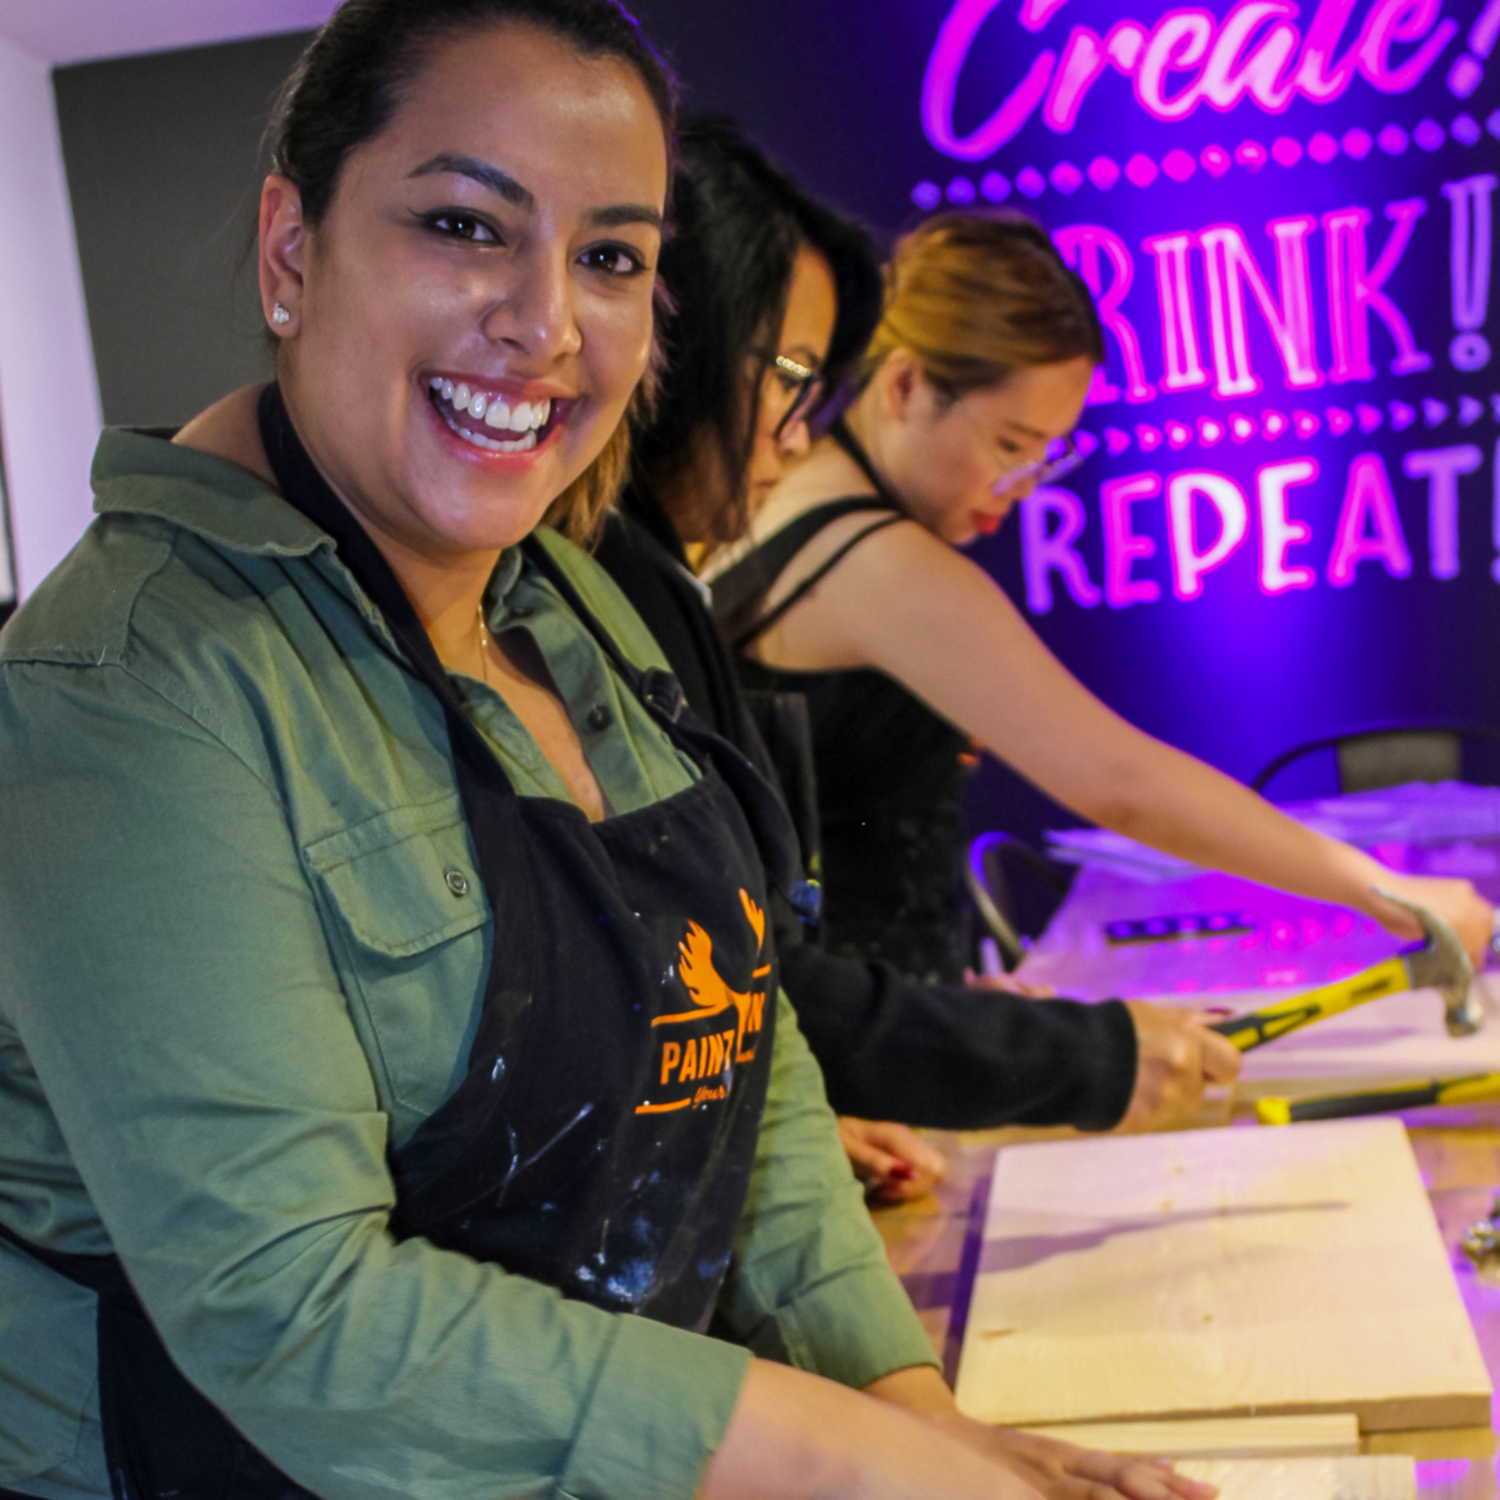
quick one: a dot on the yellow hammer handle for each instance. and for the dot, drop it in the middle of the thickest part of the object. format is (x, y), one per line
(1265, 1025)
(1477, 1088)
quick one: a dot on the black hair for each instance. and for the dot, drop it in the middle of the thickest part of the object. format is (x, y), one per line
(349, 83)
(738, 222)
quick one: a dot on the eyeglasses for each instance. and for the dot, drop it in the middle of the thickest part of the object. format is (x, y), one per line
(801, 385)
(1062, 456)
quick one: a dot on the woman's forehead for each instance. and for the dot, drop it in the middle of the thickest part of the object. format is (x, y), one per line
(1036, 401)
(526, 102)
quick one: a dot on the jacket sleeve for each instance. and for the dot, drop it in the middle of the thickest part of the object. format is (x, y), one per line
(163, 964)
(892, 1048)
(810, 1283)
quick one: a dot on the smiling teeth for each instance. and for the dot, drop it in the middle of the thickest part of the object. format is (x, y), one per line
(525, 417)
(494, 445)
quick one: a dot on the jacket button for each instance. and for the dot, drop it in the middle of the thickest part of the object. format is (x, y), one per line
(600, 718)
(457, 882)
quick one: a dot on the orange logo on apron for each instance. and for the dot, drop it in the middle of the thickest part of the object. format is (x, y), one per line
(697, 1069)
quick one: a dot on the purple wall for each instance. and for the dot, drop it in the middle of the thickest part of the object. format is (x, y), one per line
(1291, 521)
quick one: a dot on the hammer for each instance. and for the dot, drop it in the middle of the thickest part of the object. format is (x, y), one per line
(1439, 963)
(1477, 1088)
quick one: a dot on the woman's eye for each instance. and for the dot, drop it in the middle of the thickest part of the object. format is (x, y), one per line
(613, 260)
(461, 226)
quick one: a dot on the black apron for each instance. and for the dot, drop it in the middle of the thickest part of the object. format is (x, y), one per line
(603, 1137)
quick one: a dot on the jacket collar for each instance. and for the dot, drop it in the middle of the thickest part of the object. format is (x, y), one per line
(145, 474)
(138, 474)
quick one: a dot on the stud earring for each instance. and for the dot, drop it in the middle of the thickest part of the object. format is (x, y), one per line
(280, 315)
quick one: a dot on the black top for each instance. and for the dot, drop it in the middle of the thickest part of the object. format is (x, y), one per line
(890, 771)
(890, 1047)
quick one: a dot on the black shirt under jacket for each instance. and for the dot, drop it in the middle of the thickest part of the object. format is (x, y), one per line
(891, 1048)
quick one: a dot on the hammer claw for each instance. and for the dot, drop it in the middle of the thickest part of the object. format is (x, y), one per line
(1441, 963)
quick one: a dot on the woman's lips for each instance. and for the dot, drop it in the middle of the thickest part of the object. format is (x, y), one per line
(987, 524)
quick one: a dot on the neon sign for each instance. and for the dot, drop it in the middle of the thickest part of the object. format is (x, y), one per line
(1256, 54)
(1368, 528)
(1286, 215)
(1356, 293)
(1220, 363)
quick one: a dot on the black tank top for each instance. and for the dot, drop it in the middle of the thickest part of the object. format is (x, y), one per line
(890, 772)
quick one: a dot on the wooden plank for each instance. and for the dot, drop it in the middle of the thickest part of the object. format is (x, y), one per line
(1315, 1435)
(1218, 1273)
(1387, 1478)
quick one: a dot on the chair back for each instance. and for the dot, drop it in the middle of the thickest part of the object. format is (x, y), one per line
(1380, 755)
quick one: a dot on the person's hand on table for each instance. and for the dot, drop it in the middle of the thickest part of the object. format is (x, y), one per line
(1061, 1471)
(1455, 901)
(891, 1160)
(795, 1436)
(1054, 1469)
(1177, 1058)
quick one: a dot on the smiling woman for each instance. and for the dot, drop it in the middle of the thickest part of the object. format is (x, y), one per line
(394, 1077)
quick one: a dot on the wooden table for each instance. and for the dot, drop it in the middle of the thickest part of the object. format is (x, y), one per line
(933, 1245)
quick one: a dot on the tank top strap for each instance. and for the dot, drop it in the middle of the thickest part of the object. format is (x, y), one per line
(740, 590)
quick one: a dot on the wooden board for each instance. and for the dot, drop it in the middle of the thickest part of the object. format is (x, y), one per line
(1317, 1435)
(1389, 1478)
(1218, 1273)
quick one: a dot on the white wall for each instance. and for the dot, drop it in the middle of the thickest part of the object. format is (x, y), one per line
(74, 30)
(49, 395)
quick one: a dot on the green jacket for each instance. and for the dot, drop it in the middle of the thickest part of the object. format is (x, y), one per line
(233, 975)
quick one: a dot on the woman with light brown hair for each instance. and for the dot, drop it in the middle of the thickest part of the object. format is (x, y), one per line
(852, 592)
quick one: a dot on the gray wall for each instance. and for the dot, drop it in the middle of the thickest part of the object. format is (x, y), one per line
(161, 158)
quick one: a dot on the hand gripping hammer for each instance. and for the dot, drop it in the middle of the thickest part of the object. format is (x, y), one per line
(1439, 963)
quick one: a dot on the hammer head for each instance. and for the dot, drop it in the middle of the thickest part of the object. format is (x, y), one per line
(1441, 964)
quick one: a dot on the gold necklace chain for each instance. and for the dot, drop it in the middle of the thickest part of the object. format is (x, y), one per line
(484, 643)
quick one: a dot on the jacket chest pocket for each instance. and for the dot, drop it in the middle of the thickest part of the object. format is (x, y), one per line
(408, 928)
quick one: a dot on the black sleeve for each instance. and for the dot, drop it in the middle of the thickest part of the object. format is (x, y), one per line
(892, 1048)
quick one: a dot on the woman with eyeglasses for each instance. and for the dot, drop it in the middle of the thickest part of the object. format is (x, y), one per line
(853, 593)
(772, 293)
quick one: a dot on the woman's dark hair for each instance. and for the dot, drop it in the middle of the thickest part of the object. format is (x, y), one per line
(738, 222)
(348, 84)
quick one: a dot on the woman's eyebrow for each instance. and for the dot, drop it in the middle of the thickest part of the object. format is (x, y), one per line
(505, 186)
(500, 183)
(626, 213)
(1024, 430)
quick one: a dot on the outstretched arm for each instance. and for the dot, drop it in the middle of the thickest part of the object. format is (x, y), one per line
(810, 1285)
(908, 604)
(893, 1048)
